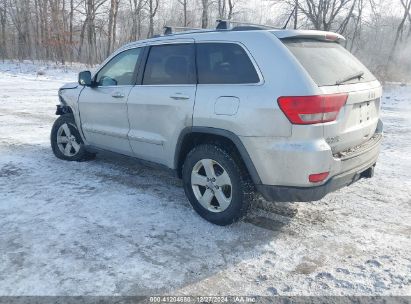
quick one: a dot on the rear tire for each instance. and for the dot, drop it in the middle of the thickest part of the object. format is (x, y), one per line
(66, 141)
(217, 186)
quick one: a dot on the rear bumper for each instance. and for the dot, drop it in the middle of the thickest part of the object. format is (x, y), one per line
(347, 168)
(307, 194)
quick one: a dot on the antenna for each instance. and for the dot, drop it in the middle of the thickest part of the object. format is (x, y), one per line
(289, 17)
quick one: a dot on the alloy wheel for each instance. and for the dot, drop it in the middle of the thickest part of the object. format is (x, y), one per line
(211, 185)
(66, 141)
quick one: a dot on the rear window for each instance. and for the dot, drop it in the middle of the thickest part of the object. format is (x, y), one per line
(327, 62)
(224, 63)
(170, 64)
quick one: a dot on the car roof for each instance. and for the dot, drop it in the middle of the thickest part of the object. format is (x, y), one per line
(235, 33)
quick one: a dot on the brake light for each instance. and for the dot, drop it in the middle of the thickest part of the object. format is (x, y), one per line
(331, 37)
(306, 110)
(319, 177)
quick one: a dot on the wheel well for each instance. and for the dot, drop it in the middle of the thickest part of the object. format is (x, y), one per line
(196, 138)
(62, 109)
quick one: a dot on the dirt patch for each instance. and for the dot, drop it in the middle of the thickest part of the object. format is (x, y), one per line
(10, 170)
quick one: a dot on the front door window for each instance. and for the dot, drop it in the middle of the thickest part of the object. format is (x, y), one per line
(120, 70)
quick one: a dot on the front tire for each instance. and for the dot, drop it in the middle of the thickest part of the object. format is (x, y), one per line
(66, 141)
(217, 186)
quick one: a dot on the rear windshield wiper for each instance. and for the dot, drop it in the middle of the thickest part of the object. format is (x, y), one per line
(358, 75)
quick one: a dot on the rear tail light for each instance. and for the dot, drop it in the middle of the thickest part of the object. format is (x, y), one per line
(319, 177)
(306, 110)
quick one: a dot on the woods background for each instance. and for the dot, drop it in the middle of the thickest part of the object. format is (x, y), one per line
(87, 31)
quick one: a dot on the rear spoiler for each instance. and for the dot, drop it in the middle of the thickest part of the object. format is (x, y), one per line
(317, 35)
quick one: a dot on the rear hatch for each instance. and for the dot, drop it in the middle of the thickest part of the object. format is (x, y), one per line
(336, 71)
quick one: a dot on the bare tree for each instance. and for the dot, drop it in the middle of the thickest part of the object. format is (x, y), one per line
(323, 13)
(225, 8)
(184, 3)
(19, 16)
(346, 19)
(221, 8)
(406, 4)
(136, 11)
(58, 38)
(204, 15)
(152, 11)
(357, 23)
(112, 24)
(3, 20)
(230, 9)
(89, 28)
(296, 14)
(71, 17)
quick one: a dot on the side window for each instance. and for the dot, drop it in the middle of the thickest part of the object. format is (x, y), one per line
(119, 70)
(224, 63)
(170, 64)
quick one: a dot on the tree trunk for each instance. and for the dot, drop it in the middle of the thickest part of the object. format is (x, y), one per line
(296, 14)
(152, 7)
(110, 26)
(3, 16)
(71, 29)
(184, 4)
(230, 9)
(46, 31)
(26, 29)
(345, 22)
(221, 9)
(407, 6)
(185, 12)
(115, 26)
(204, 16)
(82, 34)
(139, 20)
(58, 39)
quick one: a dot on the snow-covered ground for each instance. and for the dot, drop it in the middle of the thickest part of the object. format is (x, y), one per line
(113, 226)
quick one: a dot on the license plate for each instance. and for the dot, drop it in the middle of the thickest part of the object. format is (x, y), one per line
(365, 110)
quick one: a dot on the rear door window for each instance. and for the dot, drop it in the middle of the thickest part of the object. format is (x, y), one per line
(224, 63)
(327, 62)
(170, 64)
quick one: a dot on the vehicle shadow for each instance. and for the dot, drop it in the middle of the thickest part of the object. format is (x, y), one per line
(198, 250)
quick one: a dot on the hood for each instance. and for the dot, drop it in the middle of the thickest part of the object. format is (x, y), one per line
(71, 85)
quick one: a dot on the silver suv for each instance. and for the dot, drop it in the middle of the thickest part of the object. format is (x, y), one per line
(289, 114)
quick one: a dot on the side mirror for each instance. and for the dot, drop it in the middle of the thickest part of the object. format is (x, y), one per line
(84, 78)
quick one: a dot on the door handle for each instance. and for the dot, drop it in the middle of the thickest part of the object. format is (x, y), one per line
(179, 96)
(118, 95)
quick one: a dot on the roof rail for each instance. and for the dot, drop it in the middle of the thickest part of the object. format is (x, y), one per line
(169, 30)
(223, 24)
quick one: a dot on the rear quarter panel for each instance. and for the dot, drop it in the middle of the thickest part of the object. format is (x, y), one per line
(258, 113)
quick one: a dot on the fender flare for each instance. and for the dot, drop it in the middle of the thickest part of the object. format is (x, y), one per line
(223, 133)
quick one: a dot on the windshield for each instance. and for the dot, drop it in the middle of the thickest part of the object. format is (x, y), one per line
(328, 63)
